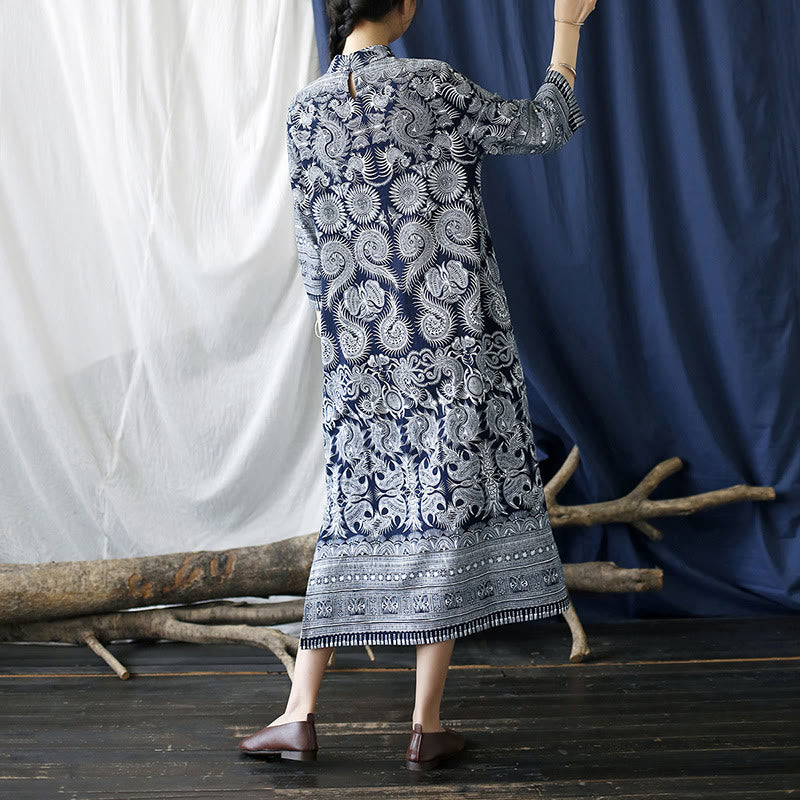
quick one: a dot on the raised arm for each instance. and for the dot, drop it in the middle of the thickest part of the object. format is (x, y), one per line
(495, 124)
(569, 16)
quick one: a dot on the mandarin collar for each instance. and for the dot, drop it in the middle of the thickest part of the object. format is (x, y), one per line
(358, 58)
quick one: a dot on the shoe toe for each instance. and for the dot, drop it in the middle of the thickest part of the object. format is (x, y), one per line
(260, 740)
(248, 744)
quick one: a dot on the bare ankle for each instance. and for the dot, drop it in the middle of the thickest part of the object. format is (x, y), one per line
(299, 709)
(430, 723)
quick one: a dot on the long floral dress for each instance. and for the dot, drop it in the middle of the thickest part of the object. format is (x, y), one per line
(435, 524)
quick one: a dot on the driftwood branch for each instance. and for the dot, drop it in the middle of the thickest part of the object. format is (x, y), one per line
(606, 576)
(635, 507)
(100, 649)
(74, 601)
(233, 623)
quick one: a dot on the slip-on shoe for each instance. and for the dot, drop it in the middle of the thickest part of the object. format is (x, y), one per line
(428, 750)
(293, 740)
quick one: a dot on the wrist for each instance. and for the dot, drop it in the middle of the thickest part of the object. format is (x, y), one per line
(565, 45)
(567, 35)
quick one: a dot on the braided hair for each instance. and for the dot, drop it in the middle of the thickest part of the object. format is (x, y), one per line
(344, 14)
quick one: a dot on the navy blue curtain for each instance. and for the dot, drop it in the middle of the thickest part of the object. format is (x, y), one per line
(667, 325)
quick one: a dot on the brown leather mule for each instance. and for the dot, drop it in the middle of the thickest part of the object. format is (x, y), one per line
(294, 740)
(428, 750)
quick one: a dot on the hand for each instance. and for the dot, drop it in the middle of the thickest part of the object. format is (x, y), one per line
(573, 10)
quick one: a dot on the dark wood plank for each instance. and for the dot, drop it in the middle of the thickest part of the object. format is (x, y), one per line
(665, 709)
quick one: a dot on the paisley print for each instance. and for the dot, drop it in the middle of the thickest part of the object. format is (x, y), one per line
(435, 524)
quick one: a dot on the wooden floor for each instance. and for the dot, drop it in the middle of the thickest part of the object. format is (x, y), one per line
(665, 709)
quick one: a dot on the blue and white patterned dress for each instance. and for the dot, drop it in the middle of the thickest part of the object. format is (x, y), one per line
(435, 524)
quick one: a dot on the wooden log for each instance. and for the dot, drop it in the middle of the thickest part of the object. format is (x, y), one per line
(63, 589)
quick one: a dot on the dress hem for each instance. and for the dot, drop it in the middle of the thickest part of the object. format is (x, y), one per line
(438, 634)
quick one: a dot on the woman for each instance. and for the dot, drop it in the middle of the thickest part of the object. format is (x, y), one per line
(435, 525)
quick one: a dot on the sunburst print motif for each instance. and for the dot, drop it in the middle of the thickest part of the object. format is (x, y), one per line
(363, 203)
(447, 181)
(408, 193)
(329, 213)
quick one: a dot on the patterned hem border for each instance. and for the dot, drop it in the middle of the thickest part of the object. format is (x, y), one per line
(437, 635)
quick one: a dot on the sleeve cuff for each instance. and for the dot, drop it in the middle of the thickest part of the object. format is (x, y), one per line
(575, 116)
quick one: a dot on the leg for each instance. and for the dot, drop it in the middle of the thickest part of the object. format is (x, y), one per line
(432, 663)
(309, 668)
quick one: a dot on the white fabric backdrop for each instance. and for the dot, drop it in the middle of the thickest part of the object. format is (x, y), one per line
(160, 379)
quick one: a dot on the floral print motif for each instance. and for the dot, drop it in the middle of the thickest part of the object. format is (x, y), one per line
(447, 281)
(435, 524)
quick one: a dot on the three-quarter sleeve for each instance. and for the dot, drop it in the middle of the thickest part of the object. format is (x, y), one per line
(496, 124)
(306, 236)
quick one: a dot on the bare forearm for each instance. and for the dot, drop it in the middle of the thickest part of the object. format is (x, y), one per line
(565, 48)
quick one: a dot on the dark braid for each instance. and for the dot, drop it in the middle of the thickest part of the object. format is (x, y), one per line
(343, 15)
